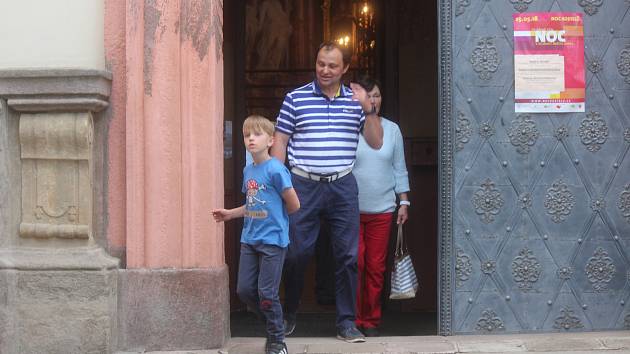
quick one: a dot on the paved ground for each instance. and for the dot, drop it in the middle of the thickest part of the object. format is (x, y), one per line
(581, 343)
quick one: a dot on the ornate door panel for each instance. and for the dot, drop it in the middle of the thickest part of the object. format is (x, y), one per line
(536, 234)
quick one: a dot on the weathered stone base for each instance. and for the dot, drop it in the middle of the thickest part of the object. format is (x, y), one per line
(173, 309)
(57, 311)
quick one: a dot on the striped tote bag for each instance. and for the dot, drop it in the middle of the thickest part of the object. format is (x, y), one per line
(404, 282)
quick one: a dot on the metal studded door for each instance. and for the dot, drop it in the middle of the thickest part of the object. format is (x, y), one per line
(535, 208)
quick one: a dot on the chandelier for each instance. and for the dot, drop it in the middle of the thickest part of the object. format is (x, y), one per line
(353, 26)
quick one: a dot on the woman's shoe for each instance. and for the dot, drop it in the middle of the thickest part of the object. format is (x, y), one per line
(370, 331)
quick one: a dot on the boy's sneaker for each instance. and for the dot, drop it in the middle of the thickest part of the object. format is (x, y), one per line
(276, 348)
(289, 323)
(350, 335)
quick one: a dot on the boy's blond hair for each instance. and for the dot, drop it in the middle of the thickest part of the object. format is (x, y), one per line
(258, 124)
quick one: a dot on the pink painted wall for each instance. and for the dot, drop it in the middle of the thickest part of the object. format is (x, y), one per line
(115, 63)
(173, 125)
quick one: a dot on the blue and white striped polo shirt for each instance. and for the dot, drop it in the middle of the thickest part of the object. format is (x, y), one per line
(324, 133)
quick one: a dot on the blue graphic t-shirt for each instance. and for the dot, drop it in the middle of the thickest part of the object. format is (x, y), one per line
(266, 220)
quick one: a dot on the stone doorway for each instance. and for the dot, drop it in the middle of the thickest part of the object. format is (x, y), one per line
(405, 63)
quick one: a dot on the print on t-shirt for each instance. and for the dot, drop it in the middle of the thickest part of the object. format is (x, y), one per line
(252, 191)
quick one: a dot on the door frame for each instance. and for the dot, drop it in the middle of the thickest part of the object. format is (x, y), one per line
(445, 280)
(445, 168)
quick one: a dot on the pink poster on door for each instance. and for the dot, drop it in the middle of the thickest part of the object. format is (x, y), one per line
(549, 62)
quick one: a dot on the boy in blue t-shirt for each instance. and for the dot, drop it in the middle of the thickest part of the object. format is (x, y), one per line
(265, 236)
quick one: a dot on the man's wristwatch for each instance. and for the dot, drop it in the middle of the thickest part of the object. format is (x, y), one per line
(405, 202)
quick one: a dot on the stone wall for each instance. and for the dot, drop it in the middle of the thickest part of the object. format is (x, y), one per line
(59, 288)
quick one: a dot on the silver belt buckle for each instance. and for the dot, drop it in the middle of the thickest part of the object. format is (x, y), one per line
(326, 179)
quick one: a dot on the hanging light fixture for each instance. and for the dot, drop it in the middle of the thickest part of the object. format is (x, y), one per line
(344, 40)
(343, 24)
(366, 34)
(353, 26)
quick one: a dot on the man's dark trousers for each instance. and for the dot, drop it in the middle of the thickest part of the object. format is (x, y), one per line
(338, 203)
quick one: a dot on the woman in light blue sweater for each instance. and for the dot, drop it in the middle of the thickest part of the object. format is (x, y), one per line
(381, 176)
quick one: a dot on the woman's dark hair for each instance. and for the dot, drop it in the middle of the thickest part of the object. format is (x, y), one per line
(367, 82)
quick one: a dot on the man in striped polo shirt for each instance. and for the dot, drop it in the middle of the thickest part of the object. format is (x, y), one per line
(319, 126)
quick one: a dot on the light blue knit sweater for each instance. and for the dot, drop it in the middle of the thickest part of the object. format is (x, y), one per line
(381, 174)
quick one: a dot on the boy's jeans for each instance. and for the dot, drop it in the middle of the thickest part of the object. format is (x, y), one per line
(259, 274)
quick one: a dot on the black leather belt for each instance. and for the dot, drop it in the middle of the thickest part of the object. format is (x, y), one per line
(320, 178)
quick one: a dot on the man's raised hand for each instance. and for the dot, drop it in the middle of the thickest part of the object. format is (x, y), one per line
(359, 94)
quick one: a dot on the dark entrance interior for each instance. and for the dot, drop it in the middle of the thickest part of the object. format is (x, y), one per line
(269, 49)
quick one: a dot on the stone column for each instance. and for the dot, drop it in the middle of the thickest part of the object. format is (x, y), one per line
(58, 288)
(174, 293)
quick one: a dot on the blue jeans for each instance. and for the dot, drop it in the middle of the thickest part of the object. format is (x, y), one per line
(259, 274)
(336, 202)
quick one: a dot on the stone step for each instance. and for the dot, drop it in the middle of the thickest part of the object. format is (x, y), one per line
(554, 343)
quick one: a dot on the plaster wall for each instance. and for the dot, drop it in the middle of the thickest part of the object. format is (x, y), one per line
(174, 143)
(115, 186)
(166, 172)
(51, 34)
(164, 153)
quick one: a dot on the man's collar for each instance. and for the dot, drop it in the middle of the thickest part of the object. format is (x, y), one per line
(343, 91)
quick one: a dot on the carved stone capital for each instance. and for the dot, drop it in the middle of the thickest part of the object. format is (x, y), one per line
(56, 155)
(55, 112)
(54, 90)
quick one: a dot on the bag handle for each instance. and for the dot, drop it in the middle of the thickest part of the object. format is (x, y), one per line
(401, 249)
